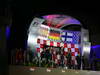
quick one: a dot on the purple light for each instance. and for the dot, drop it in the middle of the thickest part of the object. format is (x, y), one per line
(95, 46)
(7, 31)
(73, 21)
(95, 49)
(60, 20)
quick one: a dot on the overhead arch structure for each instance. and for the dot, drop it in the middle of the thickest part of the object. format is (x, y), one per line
(41, 26)
(59, 21)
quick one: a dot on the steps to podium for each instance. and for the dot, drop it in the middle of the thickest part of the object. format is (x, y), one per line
(26, 70)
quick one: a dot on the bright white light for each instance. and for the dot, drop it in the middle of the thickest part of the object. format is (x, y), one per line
(32, 39)
(43, 38)
(48, 70)
(32, 69)
(87, 47)
(44, 26)
(63, 70)
(85, 39)
(66, 68)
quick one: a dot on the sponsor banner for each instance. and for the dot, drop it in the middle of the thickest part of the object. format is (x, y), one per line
(43, 32)
(35, 23)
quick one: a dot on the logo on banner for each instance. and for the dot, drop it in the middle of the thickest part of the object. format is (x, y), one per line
(43, 32)
(37, 21)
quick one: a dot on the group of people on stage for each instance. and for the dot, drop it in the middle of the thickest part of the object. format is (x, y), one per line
(49, 57)
(55, 57)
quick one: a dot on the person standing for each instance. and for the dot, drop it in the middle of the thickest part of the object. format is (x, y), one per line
(62, 57)
(69, 57)
(73, 62)
(13, 56)
(43, 59)
(25, 57)
(58, 59)
(54, 58)
(48, 56)
(94, 61)
(20, 56)
(17, 56)
(78, 58)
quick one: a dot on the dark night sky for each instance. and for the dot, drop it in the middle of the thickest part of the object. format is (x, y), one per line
(24, 11)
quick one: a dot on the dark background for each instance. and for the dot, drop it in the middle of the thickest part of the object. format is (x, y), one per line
(22, 13)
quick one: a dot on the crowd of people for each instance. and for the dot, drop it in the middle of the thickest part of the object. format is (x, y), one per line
(20, 56)
(55, 57)
(49, 57)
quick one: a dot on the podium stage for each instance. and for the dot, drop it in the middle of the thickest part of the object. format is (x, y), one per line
(27, 70)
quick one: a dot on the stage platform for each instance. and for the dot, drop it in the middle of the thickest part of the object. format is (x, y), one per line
(28, 70)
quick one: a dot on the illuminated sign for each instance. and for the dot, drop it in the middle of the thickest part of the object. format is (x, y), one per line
(43, 31)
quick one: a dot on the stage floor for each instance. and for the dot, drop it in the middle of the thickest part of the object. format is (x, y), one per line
(26, 70)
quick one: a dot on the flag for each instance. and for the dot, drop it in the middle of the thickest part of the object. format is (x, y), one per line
(70, 37)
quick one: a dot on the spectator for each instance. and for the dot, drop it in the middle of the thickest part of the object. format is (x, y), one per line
(94, 61)
(25, 57)
(13, 56)
(78, 59)
(20, 56)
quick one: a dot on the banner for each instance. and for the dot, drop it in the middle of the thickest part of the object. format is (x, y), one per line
(36, 22)
(43, 32)
(54, 35)
(70, 36)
